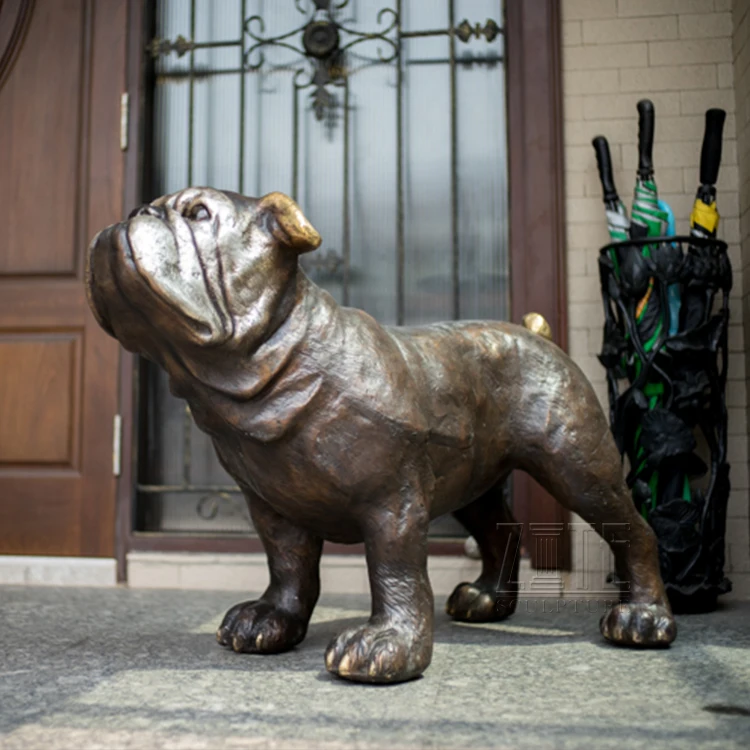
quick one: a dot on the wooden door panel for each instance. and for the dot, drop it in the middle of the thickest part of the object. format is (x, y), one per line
(39, 375)
(61, 181)
(39, 514)
(40, 142)
(40, 303)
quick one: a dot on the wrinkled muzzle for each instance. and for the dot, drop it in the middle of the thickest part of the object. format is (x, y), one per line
(97, 278)
(145, 272)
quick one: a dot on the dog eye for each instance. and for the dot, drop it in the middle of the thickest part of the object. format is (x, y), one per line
(198, 212)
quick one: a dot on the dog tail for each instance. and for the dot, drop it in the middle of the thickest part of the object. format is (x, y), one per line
(537, 324)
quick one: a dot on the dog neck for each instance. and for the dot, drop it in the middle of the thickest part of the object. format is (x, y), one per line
(257, 388)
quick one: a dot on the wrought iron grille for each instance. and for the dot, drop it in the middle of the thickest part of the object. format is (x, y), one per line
(387, 125)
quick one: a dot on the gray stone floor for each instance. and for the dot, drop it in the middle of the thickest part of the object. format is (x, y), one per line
(116, 668)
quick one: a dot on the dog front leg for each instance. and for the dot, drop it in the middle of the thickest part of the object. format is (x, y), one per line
(278, 620)
(396, 643)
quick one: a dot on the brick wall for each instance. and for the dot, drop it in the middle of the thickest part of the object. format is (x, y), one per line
(678, 53)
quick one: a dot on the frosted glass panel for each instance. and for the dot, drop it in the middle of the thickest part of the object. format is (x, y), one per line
(394, 145)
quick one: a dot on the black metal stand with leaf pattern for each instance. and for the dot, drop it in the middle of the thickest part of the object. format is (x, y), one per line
(666, 379)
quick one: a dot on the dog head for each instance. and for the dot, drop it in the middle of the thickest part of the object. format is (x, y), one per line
(198, 268)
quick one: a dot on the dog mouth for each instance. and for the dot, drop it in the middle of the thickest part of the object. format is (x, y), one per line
(156, 265)
(94, 282)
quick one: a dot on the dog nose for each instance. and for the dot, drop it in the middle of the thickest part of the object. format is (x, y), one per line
(147, 210)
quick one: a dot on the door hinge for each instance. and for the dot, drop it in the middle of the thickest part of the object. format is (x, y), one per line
(124, 120)
(117, 445)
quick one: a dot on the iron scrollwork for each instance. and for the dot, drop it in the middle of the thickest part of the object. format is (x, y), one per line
(464, 31)
(325, 41)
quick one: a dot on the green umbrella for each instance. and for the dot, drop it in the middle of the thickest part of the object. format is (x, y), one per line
(648, 219)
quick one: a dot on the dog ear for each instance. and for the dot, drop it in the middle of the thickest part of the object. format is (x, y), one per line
(291, 228)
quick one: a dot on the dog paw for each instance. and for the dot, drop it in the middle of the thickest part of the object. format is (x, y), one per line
(639, 625)
(382, 652)
(472, 603)
(260, 628)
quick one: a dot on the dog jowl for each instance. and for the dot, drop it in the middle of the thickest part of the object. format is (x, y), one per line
(339, 428)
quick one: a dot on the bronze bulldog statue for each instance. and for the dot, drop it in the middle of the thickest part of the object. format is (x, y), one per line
(339, 428)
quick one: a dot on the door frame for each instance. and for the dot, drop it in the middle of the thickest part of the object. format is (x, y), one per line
(537, 258)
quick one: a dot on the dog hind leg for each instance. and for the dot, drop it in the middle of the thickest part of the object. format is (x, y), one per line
(584, 473)
(494, 594)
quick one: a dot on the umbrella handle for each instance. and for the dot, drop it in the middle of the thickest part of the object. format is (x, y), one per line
(646, 127)
(711, 150)
(604, 165)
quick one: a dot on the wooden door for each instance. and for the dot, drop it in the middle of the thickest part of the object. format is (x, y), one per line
(62, 72)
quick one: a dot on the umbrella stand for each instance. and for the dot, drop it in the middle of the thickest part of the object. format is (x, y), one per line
(667, 402)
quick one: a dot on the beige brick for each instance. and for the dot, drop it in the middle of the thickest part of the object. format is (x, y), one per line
(740, 33)
(630, 30)
(620, 106)
(737, 421)
(729, 230)
(728, 203)
(666, 154)
(579, 158)
(623, 183)
(583, 210)
(578, 341)
(587, 237)
(694, 102)
(733, 252)
(736, 366)
(668, 78)
(582, 132)
(735, 313)
(738, 546)
(573, 107)
(741, 50)
(726, 75)
(737, 449)
(585, 289)
(739, 504)
(740, 588)
(585, 314)
(689, 127)
(739, 477)
(595, 338)
(690, 52)
(591, 81)
(745, 234)
(576, 263)
(593, 57)
(626, 8)
(574, 184)
(573, 10)
(729, 179)
(735, 343)
(571, 33)
(705, 25)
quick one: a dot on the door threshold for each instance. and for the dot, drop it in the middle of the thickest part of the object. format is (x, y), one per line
(40, 570)
(339, 574)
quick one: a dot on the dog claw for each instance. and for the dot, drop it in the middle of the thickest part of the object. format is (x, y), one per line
(470, 603)
(639, 625)
(260, 628)
(379, 653)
